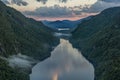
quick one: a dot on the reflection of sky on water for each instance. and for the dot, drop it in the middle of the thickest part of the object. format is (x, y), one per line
(65, 63)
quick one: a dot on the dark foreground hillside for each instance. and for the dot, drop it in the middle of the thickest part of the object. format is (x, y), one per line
(19, 34)
(99, 40)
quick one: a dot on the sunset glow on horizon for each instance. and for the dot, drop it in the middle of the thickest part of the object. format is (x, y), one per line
(59, 9)
(64, 18)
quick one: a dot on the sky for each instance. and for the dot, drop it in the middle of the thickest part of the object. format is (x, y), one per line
(60, 9)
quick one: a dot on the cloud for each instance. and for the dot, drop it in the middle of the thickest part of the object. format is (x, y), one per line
(65, 63)
(59, 11)
(63, 1)
(43, 1)
(53, 11)
(20, 61)
(5, 1)
(101, 5)
(17, 2)
(111, 1)
(97, 7)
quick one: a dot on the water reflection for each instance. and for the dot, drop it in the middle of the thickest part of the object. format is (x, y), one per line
(62, 34)
(65, 63)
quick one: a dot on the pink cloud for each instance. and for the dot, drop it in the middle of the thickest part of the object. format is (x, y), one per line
(75, 17)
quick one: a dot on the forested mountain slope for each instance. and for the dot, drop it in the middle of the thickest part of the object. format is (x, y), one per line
(99, 40)
(19, 34)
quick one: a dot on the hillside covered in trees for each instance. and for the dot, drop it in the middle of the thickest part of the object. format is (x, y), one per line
(99, 40)
(19, 34)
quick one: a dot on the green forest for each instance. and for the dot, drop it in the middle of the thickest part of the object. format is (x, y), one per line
(99, 40)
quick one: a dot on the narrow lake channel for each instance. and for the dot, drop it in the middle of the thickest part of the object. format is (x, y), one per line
(65, 63)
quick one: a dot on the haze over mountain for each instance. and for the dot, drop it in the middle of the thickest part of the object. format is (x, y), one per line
(64, 24)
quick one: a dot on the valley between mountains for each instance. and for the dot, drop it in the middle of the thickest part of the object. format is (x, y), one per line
(24, 42)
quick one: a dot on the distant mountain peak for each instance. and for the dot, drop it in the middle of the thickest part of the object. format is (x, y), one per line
(64, 23)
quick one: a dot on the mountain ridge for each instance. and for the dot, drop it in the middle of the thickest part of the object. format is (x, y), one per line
(98, 40)
(64, 23)
(22, 35)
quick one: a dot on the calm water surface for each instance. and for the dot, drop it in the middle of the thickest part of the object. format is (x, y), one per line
(65, 63)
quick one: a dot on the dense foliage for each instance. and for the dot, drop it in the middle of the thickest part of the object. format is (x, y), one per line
(99, 40)
(19, 34)
(23, 35)
(8, 73)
